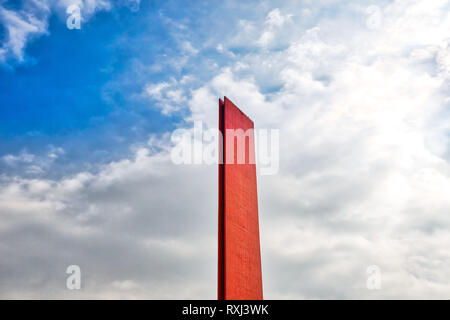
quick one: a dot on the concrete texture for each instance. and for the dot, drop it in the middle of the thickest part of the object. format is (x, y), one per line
(239, 259)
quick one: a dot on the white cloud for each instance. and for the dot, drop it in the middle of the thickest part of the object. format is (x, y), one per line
(20, 26)
(31, 20)
(274, 20)
(23, 157)
(31, 164)
(364, 158)
(89, 220)
(87, 7)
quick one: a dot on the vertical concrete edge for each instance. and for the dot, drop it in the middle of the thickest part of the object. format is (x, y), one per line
(221, 219)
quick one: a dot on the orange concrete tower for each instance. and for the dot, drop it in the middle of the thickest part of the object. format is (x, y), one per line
(239, 259)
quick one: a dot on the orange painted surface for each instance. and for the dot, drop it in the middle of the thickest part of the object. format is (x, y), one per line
(239, 260)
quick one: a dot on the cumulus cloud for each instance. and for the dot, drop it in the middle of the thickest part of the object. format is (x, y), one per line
(20, 27)
(30, 21)
(274, 20)
(25, 163)
(168, 96)
(364, 155)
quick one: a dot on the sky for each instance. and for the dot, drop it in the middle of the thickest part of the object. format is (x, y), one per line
(359, 92)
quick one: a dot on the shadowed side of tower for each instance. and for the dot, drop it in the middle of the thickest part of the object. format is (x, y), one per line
(239, 258)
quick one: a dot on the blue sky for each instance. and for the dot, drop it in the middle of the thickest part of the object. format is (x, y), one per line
(75, 88)
(358, 91)
(80, 89)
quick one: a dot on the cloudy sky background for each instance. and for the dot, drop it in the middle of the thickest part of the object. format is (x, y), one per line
(358, 89)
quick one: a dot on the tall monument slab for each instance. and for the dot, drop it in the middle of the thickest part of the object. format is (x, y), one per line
(239, 259)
